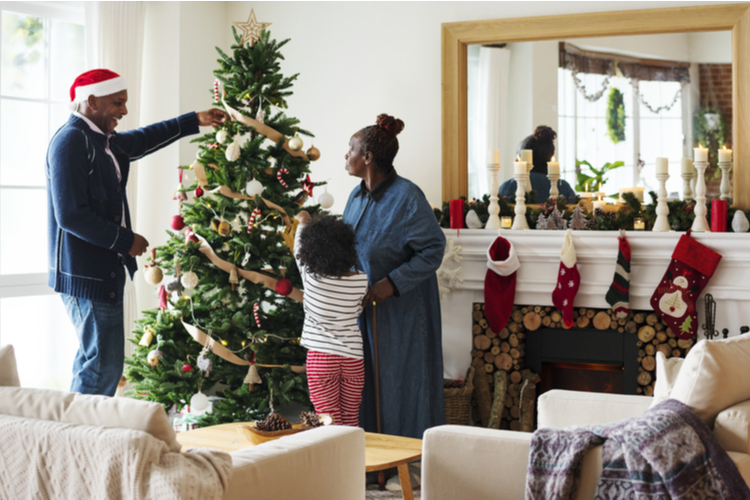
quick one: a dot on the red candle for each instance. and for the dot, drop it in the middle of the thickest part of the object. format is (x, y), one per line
(719, 216)
(457, 214)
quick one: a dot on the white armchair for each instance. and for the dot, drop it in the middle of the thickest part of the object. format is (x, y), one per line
(470, 462)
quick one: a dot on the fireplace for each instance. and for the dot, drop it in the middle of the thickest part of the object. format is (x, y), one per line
(583, 360)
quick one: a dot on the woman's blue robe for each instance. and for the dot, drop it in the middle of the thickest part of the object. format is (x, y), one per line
(399, 237)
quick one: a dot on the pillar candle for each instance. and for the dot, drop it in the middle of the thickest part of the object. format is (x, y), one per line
(519, 167)
(527, 156)
(662, 166)
(638, 192)
(639, 224)
(457, 214)
(687, 166)
(553, 167)
(700, 154)
(719, 216)
(493, 157)
(725, 155)
(600, 204)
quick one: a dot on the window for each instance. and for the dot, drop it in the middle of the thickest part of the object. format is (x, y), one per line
(42, 50)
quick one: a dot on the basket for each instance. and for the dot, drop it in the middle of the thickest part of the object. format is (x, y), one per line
(458, 399)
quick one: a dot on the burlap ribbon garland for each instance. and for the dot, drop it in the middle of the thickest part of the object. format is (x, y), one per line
(256, 277)
(217, 348)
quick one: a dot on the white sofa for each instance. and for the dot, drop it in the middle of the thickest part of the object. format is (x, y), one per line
(478, 463)
(68, 445)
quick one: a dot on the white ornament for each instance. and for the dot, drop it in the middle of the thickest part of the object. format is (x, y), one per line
(199, 401)
(222, 136)
(189, 280)
(154, 275)
(295, 143)
(472, 220)
(326, 200)
(739, 222)
(254, 188)
(153, 358)
(233, 151)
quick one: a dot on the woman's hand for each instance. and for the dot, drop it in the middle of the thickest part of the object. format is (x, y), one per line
(378, 292)
(303, 217)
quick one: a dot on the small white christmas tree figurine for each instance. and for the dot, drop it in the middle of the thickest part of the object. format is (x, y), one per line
(541, 222)
(578, 220)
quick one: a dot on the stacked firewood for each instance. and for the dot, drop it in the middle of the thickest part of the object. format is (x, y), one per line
(504, 351)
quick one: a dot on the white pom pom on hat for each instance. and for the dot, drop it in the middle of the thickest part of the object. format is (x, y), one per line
(96, 82)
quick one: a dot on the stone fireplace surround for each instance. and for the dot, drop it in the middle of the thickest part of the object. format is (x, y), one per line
(539, 254)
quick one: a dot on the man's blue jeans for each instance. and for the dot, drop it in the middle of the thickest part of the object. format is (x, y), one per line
(101, 350)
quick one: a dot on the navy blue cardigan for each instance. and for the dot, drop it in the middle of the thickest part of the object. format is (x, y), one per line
(85, 200)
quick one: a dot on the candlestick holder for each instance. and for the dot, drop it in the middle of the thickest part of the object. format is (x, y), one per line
(529, 166)
(493, 222)
(726, 167)
(662, 210)
(520, 220)
(700, 224)
(553, 191)
(687, 188)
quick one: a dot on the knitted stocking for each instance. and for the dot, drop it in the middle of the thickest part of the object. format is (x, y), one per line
(618, 295)
(568, 281)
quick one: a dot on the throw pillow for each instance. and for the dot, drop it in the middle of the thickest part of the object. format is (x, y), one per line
(714, 376)
(666, 375)
(8, 371)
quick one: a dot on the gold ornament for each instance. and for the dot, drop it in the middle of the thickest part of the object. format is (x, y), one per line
(251, 29)
(313, 153)
(295, 143)
(148, 336)
(233, 277)
(224, 228)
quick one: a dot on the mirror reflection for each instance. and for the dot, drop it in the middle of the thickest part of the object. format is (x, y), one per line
(628, 99)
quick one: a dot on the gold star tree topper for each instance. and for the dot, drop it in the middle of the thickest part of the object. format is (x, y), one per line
(251, 29)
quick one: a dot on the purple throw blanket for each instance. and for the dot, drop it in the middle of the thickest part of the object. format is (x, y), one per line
(668, 452)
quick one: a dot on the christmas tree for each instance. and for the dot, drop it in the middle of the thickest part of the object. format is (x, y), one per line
(230, 314)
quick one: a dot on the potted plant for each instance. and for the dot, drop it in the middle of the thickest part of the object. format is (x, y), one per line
(595, 178)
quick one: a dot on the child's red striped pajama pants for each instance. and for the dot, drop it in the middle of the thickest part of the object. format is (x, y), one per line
(336, 384)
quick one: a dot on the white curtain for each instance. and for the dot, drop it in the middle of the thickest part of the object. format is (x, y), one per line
(114, 41)
(491, 113)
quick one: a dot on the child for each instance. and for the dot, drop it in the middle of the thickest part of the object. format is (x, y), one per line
(325, 253)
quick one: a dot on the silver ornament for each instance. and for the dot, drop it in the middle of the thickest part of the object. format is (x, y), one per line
(472, 220)
(295, 143)
(739, 222)
(204, 364)
(174, 286)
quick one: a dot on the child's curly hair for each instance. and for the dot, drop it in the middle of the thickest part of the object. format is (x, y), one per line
(327, 247)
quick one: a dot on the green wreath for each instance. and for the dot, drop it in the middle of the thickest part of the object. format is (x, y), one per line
(615, 115)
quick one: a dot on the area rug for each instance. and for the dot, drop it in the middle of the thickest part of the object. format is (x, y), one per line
(373, 493)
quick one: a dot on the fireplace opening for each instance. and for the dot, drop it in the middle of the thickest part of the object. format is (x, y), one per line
(587, 377)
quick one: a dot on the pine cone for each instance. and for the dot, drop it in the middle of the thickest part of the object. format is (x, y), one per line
(310, 419)
(273, 422)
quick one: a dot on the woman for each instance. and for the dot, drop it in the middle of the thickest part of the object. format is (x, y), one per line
(400, 246)
(542, 145)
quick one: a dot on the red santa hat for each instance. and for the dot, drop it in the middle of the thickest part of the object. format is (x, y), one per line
(96, 82)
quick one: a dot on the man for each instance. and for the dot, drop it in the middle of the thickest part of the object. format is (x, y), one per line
(90, 237)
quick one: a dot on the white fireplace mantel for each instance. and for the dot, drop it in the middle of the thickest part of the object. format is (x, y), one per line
(539, 254)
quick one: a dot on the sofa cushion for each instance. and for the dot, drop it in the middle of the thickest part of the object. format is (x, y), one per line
(714, 376)
(8, 371)
(666, 375)
(732, 428)
(86, 409)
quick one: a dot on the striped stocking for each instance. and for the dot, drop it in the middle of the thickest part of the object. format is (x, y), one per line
(618, 295)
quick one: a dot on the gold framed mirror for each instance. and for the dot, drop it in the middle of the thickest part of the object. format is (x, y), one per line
(456, 37)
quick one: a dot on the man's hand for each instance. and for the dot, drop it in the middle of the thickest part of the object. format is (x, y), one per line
(140, 245)
(213, 117)
(378, 292)
(303, 217)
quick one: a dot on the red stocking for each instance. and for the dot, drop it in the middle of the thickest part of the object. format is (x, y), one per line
(568, 281)
(687, 275)
(500, 283)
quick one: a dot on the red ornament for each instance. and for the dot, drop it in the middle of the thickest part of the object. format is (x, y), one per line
(177, 222)
(284, 287)
(190, 236)
(186, 368)
(198, 192)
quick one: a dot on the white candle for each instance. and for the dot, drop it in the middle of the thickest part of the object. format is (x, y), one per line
(725, 155)
(700, 153)
(687, 166)
(639, 224)
(553, 167)
(638, 192)
(493, 157)
(505, 222)
(519, 168)
(585, 195)
(527, 156)
(662, 166)
(599, 204)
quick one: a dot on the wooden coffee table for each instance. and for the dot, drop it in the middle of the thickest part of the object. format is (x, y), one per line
(381, 450)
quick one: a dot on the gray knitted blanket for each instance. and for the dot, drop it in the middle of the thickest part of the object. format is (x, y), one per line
(668, 452)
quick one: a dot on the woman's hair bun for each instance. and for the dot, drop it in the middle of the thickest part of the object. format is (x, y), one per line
(544, 134)
(392, 125)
